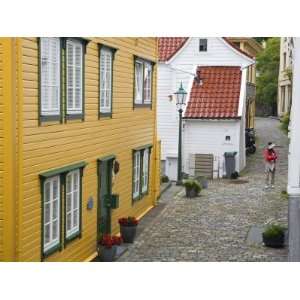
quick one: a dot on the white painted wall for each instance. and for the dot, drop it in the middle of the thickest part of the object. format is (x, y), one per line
(181, 69)
(208, 137)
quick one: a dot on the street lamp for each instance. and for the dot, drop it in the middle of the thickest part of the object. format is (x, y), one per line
(180, 102)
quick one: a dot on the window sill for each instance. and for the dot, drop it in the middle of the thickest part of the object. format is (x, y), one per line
(72, 237)
(105, 115)
(74, 117)
(52, 250)
(50, 118)
(138, 105)
(140, 197)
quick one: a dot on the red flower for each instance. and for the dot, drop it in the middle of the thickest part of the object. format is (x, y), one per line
(129, 221)
(108, 241)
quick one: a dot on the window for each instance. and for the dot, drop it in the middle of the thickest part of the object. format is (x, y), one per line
(72, 203)
(74, 74)
(145, 174)
(106, 65)
(283, 99)
(143, 82)
(141, 158)
(51, 207)
(136, 174)
(203, 45)
(284, 60)
(227, 138)
(50, 80)
(61, 186)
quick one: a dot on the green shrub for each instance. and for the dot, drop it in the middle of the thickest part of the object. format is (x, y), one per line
(273, 231)
(285, 121)
(164, 179)
(192, 184)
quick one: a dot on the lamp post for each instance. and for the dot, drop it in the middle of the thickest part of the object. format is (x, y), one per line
(180, 102)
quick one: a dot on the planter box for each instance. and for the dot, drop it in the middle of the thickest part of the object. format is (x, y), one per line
(128, 233)
(191, 193)
(274, 242)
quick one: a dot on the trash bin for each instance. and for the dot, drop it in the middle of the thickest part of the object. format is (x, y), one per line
(229, 163)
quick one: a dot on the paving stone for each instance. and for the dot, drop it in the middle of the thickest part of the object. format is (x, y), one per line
(215, 226)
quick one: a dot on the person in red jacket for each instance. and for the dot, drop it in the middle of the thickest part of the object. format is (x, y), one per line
(270, 157)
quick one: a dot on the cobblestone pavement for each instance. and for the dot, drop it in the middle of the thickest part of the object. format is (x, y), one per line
(214, 226)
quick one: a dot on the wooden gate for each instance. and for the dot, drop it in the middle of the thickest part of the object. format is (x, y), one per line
(204, 165)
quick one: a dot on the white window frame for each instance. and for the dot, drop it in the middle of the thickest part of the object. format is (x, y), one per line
(105, 103)
(75, 189)
(53, 242)
(71, 110)
(145, 176)
(136, 174)
(53, 105)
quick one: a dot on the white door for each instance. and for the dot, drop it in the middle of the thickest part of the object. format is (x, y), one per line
(171, 168)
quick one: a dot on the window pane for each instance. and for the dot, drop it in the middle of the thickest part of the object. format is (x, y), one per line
(75, 200)
(47, 191)
(68, 202)
(138, 82)
(69, 221)
(55, 230)
(47, 213)
(55, 210)
(47, 234)
(75, 219)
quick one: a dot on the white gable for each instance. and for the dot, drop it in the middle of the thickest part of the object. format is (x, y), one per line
(219, 53)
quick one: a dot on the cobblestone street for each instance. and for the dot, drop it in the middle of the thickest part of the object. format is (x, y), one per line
(214, 226)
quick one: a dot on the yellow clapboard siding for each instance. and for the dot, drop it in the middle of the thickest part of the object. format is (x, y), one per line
(1, 151)
(54, 145)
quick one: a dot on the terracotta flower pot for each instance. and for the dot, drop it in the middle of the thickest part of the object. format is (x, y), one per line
(128, 233)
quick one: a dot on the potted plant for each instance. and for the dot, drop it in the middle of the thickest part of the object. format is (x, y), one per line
(273, 236)
(192, 188)
(128, 228)
(203, 181)
(107, 247)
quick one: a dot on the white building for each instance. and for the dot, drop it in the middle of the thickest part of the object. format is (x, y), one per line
(284, 80)
(294, 161)
(214, 118)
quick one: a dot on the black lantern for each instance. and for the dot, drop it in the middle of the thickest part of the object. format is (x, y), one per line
(180, 96)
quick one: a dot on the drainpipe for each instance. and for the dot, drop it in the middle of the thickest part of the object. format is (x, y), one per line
(293, 188)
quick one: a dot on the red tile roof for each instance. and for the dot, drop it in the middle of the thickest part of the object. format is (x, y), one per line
(169, 46)
(218, 96)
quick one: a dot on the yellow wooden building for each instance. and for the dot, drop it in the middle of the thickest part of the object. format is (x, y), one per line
(251, 47)
(78, 143)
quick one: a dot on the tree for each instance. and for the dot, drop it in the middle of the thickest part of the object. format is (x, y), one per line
(261, 39)
(267, 64)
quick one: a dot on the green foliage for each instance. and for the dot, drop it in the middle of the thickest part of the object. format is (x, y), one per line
(273, 231)
(164, 179)
(285, 121)
(267, 69)
(261, 39)
(192, 184)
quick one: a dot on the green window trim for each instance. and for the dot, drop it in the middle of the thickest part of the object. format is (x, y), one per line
(62, 172)
(141, 150)
(84, 42)
(152, 63)
(113, 52)
(59, 246)
(64, 169)
(49, 118)
(106, 158)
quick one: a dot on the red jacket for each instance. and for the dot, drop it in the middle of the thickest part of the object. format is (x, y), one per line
(270, 156)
